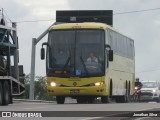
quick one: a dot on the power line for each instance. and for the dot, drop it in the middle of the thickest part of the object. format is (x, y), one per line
(148, 71)
(145, 10)
(128, 12)
(35, 21)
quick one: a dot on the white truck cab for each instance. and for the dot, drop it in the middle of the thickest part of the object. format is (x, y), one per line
(150, 91)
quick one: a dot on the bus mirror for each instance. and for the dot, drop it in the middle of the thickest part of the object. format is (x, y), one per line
(42, 53)
(43, 50)
(110, 55)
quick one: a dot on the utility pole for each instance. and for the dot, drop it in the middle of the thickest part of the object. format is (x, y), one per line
(33, 54)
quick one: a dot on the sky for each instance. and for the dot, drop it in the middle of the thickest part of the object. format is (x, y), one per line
(143, 27)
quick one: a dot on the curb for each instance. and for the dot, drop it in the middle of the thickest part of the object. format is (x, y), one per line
(36, 101)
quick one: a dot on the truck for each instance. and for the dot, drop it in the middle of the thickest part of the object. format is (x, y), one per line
(11, 73)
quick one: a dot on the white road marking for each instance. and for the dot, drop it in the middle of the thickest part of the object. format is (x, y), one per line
(142, 118)
(34, 108)
(92, 118)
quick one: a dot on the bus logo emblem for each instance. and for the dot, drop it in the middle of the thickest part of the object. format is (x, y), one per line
(74, 83)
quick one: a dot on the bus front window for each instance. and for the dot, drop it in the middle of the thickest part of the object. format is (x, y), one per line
(60, 53)
(75, 53)
(89, 52)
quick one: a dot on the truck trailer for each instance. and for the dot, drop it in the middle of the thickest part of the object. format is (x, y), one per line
(11, 74)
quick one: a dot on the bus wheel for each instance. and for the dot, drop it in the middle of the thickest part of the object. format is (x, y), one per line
(118, 99)
(90, 99)
(1, 94)
(111, 85)
(81, 100)
(124, 99)
(105, 99)
(6, 93)
(60, 99)
(129, 89)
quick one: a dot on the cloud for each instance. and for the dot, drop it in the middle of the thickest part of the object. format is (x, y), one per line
(143, 27)
(28, 10)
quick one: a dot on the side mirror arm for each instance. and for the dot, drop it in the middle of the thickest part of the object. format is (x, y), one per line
(45, 43)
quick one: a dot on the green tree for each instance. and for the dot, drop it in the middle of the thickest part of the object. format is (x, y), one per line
(40, 92)
(41, 89)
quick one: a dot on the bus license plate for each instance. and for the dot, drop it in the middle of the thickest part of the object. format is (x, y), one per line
(74, 91)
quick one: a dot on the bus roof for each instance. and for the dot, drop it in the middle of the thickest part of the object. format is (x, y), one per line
(85, 25)
(80, 25)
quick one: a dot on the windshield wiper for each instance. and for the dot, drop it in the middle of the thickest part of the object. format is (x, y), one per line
(84, 66)
(66, 64)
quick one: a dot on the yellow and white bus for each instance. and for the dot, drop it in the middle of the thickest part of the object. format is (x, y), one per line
(71, 74)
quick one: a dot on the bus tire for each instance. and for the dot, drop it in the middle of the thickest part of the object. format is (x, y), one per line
(81, 100)
(105, 99)
(60, 99)
(129, 91)
(126, 99)
(118, 99)
(1, 93)
(123, 99)
(6, 93)
(111, 86)
(90, 99)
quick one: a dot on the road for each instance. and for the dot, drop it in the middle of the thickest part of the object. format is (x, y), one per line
(82, 111)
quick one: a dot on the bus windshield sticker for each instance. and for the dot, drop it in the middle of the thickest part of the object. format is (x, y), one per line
(78, 72)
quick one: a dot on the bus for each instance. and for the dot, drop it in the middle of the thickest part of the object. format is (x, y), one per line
(70, 73)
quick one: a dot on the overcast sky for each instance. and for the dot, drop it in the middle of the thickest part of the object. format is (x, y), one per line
(143, 27)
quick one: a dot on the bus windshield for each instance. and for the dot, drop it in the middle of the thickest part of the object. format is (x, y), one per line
(74, 53)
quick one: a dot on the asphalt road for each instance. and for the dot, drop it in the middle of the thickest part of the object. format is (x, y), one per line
(72, 111)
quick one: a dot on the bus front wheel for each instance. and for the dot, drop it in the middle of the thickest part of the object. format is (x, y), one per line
(81, 99)
(60, 99)
(105, 99)
(90, 99)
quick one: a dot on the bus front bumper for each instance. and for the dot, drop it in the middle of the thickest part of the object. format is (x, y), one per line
(77, 91)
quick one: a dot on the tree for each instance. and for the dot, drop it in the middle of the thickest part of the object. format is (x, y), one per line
(41, 89)
(40, 92)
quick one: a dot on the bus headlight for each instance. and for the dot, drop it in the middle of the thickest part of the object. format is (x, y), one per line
(99, 83)
(96, 84)
(53, 84)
